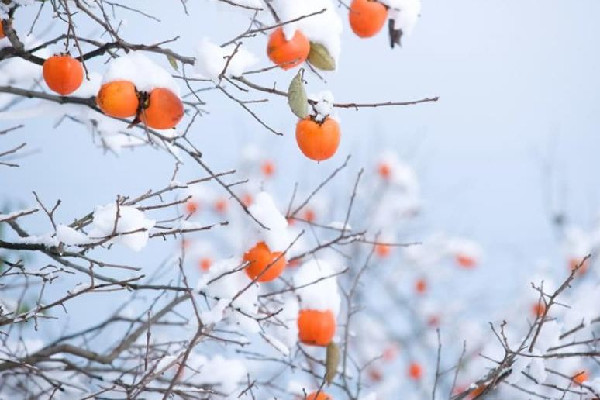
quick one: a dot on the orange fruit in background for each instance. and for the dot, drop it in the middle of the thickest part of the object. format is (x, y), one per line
(2, 35)
(415, 371)
(574, 263)
(465, 261)
(287, 53)
(581, 377)
(118, 99)
(204, 263)
(316, 328)
(260, 258)
(267, 168)
(309, 215)
(318, 141)
(383, 250)
(163, 110)
(247, 199)
(538, 309)
(367, 17)
(63, 74)
(221, 206)
(191, 207)
(421, 286)
(319, 396)
(384, 170)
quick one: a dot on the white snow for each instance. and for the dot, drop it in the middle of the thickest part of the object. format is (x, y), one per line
(277, 237)
(216, 371)
(321, 295)
(211, 60)
(324, 105)
(130, 219)
(143, 72)
(70, 236)
(405, 13)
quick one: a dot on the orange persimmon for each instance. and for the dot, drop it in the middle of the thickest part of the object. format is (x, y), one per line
(264, 265)
(118, 99)
(315, 327)
(63, 74)
(318, 141)
(319, 396)
(367, 17)
(287, 53)
(162, 110)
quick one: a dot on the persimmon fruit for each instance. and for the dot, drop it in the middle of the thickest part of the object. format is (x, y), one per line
(415, 371)
(581, 377)
(384, 170)
(204, 264)
(367, 17)
(264, 265)
(318, 141)
(2, 34)
(267, 168)
(287, 53)
(63, 74)
(319, 396)
(118, 99)
(316, 327)
(466, 261)
(221, 206)
(191, 207)
(162, 109)
(383, 250)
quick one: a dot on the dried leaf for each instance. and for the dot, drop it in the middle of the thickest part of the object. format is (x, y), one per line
(173, 62)
(320, 58)
(297, 99)
(332, 361)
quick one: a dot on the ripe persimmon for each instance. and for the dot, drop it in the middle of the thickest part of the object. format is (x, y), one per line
(287, 53)
(221, 206)
(318, 141)
(383, 250)
(421, 286)
(415, 371)
(264, 265)
(118, 99)
(63, 74)
(574, 263)
(315, 327)
(367, 17)
(309, 215)
(162, 109)
(2, 34)
(538, 309)
(319, 396)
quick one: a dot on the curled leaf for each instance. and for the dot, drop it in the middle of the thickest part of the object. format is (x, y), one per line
(332, 361)
(297, 99)
(173, 62)
(320, 58)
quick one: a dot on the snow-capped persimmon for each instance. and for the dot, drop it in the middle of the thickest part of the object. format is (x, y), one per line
(263, 264)
(287, 53)
(319, 396)
(118, 99)
(318, 141)
(367, 17)
(415, 371)
(466, 261)
(162, 110)
(63, 74)
(204, 264)
(315, 327)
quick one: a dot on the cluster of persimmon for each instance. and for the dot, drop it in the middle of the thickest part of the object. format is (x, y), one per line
(158, 109)
(315, 327)
(367, 17)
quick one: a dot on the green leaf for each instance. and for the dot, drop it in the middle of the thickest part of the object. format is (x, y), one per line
(332, 361)
(320, 58)
(173, 62)
(297, 99)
